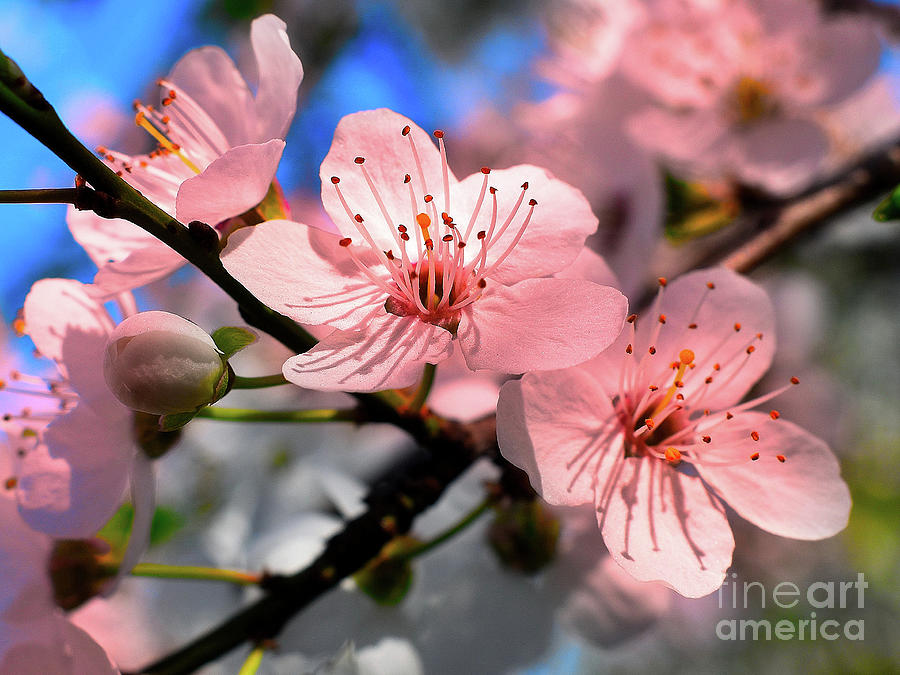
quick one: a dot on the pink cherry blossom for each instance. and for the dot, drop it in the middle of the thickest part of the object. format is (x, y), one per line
(219, 147)
(738, 85)
(652, 432)
(36, 637)
(74, 462)
(471, 265)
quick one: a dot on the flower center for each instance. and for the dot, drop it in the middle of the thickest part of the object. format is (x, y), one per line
(432, 278)
(752, 100)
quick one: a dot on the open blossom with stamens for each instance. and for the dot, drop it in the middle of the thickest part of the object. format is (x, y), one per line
(219, 148)
(739, 85)
(74, 460)
(426, 260)
(652, 432)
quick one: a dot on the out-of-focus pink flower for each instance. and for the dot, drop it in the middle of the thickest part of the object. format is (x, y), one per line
(738, 84)
(36, 637)
(73, 464)
(652, 432)
(219, 147)
(400, 295)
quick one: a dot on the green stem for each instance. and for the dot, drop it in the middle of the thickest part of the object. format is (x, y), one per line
(424, 387)
(159, 571)
(251, 665)
(245, 415)
(41, 196)
(258, 382)
(452, 531)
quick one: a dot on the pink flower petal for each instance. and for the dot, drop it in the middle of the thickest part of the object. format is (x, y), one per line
(209, 76)
(390, 353)
(555, 235)
(376, 136)
(106, 239)
(280, 73)
(143, 498)
(803, 497)
(302, 272)
(69, 326)
(232, 184)
(781, 155)
(99, 452)
(661, 524)
(557, 426)
(733, 302)
(153, 261)
(540, 324)
(52, 645)
(588, 265)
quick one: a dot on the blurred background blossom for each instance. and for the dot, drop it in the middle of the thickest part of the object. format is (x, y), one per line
(568, 85)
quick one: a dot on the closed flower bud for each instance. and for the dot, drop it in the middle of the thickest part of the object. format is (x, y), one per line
(162, 364)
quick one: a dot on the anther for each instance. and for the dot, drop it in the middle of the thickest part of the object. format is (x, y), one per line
(708, 380)
(774, 414)
(649, 422)
(628, 349)
(759, 336)
(754, 456)
(754, 435)
(662, 281)
(780, 458)
(737, 327)
(662, 318)
(710, 285)
(492, 190)
(795, 380)
(532, 202)
(335, 180)
(631, 318)
(525, 185)
(653, 387)
(405, 130)
(358, 218)
(485, 170)
(359, 160)
(482, 283)
(345, 242)
(406, 178)
(481, 234)
(728, 416)
(438, 133)
(707, 439)
(428, 199)
(692, 326)
(652, 350)
(751, 349)
(447, 237)
(11, 483)
(673, 455)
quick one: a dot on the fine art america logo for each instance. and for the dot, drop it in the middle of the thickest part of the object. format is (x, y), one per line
(808, 625)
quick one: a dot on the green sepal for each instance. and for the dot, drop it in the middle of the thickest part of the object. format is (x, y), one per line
(175, 421)
(166, 522)
(232, 339)
(274, 205)
(524, 535)
(889, 208)
(388, 577)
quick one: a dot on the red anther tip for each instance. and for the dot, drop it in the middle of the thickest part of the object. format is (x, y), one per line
(662, 318)
(358, 218)
(389, 254)
(447, 237)
(345, 242)
(780, 458)
(774, 414)
(335, 180)
(754, 456)
(493, 190)
(708, 380)
(652, 387)
(525, 185)
(481, 234)
(406, 178)
(692, 326)
(482, 283)
(11, 483)
(631, 318)
(485, 170)
(679, 397)
(759, 336)
(794, 380)
(405, 130)
(649, 422)
(628, 349)
(716, 366)
(710, 285)
(359, 160)
(429, 244)
(461, 244)
(404, 236)
(438, 133)
(737, 327)
(532, 202)
(428, 199)
(662, 281)
(401, 228)
(751, 349)
(754, 435)
(728, 416)
(652, 350)
(707, 439)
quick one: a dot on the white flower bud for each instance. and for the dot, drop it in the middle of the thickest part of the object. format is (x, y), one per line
(162, 364)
